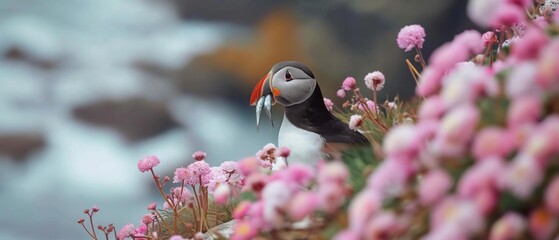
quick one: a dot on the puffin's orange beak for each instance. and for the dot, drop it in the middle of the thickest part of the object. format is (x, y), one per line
(262, 88)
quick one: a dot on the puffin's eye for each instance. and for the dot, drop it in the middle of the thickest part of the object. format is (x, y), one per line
(288, 76)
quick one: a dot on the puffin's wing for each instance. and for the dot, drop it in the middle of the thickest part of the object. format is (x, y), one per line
(339, 132)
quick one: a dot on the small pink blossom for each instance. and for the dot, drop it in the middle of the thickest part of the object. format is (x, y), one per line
(529, 46)
(430, 81)
(244, 230)
(375, 80)
(349, 84)
(488, 38)
(466, 83)
(181, 174)
(434, 186)
(346, 235)
(482, 12)
(390, 177)
(523, 110)
(126, 231)
(509, 226)
(383, 225)
(548, 64)
(542, 223)
(331, 196)
(199, 236)
(355, 122)
(551, 196)
(199, 155)
(302, 205)
(457, 212)
(222, 193)
(470, 40)
(333, 172)
(456, 130)
(432, 108)
(362, 208)
(485, 201)
(176, 237)
(483, 174)
(517, 84)
(402, 140)
(284, 152)
(148, 163)
(411, 36)
(197, 171)
(152, 206)
(248, 165)
(370, 105)
(541, 144)
(340, 93)
(147, 219)
(522, 176)
(491, 142)
(329, 104)
(541, 22)
(275, 196)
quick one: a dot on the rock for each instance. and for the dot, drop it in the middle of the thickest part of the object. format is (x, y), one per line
(136, 118)
(19, 146)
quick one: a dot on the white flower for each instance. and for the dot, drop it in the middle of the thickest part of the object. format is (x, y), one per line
(375, 80)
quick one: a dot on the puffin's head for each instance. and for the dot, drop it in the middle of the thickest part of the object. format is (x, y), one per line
(287, 83)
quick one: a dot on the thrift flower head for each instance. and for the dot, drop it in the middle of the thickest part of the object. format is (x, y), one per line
(488, 38)
(329, 104)
(302, 204)
(181, 174)
(510, 226)
(362, 208)
(126, 231)
(196, 171)
(349, 84)
(524, 110)
(284, 152)
(222, 193)
(370, 105)
(340, 93)
(552, 196)
(375, 80)
(434, 186)
(244, 230)
(491, 142)
(147, 163)
(199, 155)
(355, 122)
(522, 176)
(152, 206)
(411, 36)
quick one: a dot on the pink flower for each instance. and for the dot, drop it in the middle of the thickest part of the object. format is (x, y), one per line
(284, 152)
(482, 12)
(349, 84)
(199, 236)
(152, 206)
(524, 110)
(470, 40)
(329, 104)
(552, 195)
(222, 193)
(485, 200)
(509, 226)
(181, 174)
(390, 177)
(335, 172)
(402, 140)
(447, 55)
(541, 144)
(332, 195)
(430, 81)
(411, 36)
(488, 38)
(483, 174)
(457, 128)
(362, 208)
(302, 205)
(340, 93)
(434, 186)
(522, 176)
(275, 196)
(548, 64)
(199, 155)
(126, 231)
(355, 122)
(241, 210)
(384, 225)
(197, 171)
(449, 231)
(529, 46)
(519, 83)
(248, 165)
(432, 108)
(541, 223)
(375, 80)
(491, 142)
(346, 235)
(147, 219)
(541, 22)
(457, 212)
(176, 237)
(244, 230)
(148, 163)
(466, 83)
(370, 105)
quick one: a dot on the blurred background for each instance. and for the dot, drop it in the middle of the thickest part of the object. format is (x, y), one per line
(88, 87)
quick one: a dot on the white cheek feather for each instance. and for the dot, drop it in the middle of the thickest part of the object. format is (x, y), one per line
(305, 146)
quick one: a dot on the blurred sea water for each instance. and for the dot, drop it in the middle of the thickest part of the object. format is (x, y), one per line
(79, 52)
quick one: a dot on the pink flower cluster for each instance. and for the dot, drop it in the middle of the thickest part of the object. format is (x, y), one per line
(410, 37)
(286, 196)
(501, 152)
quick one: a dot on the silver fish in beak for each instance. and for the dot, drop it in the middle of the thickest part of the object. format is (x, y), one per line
(262, 97)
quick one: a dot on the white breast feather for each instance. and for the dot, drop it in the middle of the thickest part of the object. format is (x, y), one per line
(305, 146)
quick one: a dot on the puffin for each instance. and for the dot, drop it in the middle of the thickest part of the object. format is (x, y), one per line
(308, 129)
